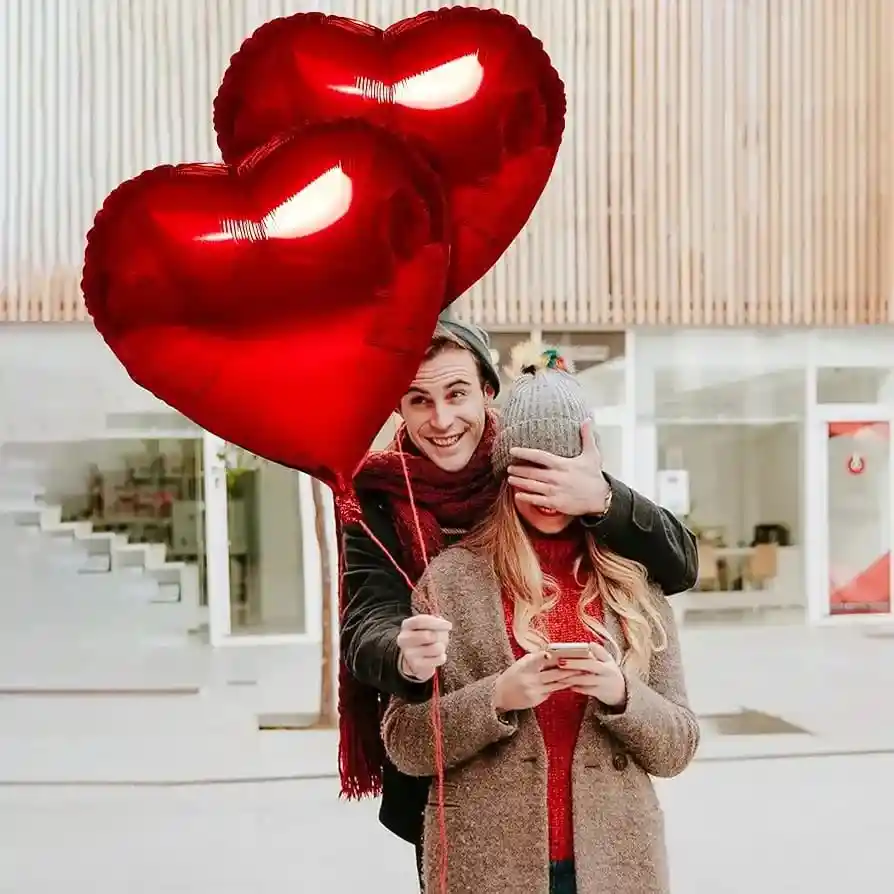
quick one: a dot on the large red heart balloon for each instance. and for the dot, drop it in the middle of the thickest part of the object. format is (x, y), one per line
(285, 304)
(473, 88)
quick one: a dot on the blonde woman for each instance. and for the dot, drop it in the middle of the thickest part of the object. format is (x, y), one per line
(548, 758)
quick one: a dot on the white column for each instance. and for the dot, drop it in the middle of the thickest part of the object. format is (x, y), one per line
(310, 561)
(644, 434)
(815, 489)
(628, 425)
(217, 539)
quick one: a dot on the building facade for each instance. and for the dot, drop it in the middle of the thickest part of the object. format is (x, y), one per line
(716, 246)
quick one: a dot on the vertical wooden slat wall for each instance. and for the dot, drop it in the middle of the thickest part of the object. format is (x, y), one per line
(91, 93)
(727, 162)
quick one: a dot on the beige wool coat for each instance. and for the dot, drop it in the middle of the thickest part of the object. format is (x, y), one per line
(495, 780)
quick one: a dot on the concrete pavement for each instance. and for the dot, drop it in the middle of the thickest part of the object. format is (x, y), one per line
(756, 813)
(820, 824)
(833, 683)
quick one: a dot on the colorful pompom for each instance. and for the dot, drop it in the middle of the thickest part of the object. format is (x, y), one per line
(527, 357)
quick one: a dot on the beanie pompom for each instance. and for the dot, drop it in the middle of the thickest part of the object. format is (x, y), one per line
(527, 357)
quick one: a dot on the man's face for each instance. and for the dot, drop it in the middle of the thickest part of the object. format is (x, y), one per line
(444, 409)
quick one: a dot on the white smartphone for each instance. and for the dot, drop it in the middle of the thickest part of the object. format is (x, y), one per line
(569, 650)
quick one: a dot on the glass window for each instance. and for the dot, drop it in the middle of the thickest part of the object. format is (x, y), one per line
(610, 440)
(740, 477)
(266, 551)
(599, 358)
(858, 523)
(744, 505)
(147, 492)
(715, 376)
(854, 385)
(501, 345)
(728, 411)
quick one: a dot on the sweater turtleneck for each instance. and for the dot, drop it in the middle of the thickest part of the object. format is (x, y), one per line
(560, 716)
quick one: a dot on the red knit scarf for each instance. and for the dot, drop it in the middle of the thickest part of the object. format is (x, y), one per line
(452, 500)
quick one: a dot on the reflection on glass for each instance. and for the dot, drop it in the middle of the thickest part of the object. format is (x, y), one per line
(266, 552)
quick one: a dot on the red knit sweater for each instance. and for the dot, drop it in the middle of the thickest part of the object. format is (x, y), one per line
(561, 714)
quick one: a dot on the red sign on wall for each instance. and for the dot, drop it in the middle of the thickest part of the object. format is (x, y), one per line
(856, 465)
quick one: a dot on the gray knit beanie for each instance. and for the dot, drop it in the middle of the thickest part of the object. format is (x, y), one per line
(478, 342)
(544, 409)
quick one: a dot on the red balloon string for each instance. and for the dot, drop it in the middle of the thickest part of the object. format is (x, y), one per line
(437, 728)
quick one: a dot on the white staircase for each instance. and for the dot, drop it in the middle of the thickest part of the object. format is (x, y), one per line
(60, 576)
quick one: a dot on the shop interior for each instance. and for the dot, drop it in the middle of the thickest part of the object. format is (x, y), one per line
(150, 491)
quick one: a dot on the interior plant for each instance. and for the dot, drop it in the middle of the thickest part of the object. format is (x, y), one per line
(237, 462)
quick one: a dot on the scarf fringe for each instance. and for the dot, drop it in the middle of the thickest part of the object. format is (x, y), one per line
(361, 752)
(360, 773)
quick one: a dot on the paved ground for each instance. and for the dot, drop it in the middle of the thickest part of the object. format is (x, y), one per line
(821, 825)
(754, 815)
(200, 721)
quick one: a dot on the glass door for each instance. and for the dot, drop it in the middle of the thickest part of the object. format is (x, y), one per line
(857, 517)
(263, 561)
(267, 532)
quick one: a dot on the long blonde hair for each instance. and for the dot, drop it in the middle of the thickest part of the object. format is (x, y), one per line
(621, 584)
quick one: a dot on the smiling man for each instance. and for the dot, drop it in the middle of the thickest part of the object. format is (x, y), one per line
(443, 451)
(443, 408)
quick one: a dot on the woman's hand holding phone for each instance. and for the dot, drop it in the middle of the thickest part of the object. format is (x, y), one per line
(529, 682)
(598, 676)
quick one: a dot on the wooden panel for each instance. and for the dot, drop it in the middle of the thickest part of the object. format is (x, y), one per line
(726, 162)
(91, 93)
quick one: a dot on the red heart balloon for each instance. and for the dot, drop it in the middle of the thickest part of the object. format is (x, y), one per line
(284, 304)
(473, 88)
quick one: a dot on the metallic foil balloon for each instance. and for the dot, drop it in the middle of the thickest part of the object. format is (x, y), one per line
(284, 304)
(472, 88)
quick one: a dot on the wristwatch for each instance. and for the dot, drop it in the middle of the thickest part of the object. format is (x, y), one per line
(608, 503)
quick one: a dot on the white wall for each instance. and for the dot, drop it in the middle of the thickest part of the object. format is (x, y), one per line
(60, 382)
